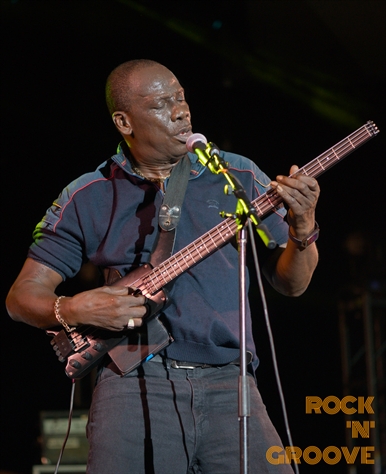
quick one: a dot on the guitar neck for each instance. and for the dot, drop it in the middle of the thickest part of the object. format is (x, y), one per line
(264, 204)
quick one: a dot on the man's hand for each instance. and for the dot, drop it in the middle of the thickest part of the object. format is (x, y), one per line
(32, 297)
(301, 194)
(108, 307)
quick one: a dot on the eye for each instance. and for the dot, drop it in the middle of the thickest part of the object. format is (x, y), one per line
(159, 105)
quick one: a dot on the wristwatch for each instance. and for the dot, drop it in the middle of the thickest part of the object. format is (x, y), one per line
(311, 237)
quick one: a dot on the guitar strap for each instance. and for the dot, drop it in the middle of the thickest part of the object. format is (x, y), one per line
(168, 218)
(170, 212)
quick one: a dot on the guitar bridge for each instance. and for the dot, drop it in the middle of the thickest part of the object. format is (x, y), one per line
(63, 346)
(79, 342)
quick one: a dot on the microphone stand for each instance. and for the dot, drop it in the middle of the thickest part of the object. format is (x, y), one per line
(208, 155)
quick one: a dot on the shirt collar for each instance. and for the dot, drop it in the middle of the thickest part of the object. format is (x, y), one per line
(123, 162)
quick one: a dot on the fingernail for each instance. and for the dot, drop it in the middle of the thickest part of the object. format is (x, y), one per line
(279, 188)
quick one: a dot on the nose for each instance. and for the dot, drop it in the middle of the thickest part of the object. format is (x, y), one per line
(180, 111)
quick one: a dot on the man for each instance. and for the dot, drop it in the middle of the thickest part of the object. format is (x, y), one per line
(162, 418)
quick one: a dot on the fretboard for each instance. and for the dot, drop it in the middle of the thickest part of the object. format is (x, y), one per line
(264, 204)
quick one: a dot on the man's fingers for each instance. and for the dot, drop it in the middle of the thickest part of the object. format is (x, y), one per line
(135, 300)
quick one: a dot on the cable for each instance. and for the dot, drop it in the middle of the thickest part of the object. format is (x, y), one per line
(68, 426)
(270, 337)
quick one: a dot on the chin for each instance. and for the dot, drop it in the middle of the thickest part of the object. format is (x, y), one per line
(179, 152)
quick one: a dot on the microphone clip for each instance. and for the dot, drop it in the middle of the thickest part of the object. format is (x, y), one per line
(209, 156)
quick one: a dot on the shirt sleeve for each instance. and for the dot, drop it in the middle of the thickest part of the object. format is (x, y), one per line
(57, 238)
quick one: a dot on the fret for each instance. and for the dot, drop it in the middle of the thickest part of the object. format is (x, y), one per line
(159, 276)
(189, 259)
(183, 259)
(228, 229)
(335, 153)
(153, 283)
(271, 198)
(201, 248)
(257, 206)
(211, 242)
(214, 242)
(165, 277)
(170, 272)
(270, 202)
(320, 164)
(175, 264)
(180, 255)
(351, 143)
(197, 249)
(217, 241)
(185, 256)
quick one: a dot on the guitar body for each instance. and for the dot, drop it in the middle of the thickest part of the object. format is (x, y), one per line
(83, 349)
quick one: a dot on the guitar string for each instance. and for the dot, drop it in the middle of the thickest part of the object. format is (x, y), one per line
(158, 275)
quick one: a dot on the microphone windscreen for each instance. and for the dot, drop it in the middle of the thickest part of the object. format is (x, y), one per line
(197, 140)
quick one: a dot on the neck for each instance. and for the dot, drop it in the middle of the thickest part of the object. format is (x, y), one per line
(156, 170)
(157, 174)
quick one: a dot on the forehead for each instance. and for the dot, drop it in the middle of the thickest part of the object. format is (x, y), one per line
(153, 81)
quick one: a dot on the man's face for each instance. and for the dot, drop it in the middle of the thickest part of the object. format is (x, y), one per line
(159, 116)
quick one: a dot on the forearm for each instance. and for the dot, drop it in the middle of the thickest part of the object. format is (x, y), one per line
(290, 270)
(32, 303)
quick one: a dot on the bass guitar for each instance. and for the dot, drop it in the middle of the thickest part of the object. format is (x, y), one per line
(83, 348)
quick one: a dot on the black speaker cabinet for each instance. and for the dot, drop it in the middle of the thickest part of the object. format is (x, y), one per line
(53, 431)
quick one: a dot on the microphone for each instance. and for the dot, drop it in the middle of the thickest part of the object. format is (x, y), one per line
(208, 153)
(196, 141)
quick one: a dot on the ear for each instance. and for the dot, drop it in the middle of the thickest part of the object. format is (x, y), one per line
(122, 122)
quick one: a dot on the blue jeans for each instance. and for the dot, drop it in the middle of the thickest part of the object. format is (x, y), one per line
(161, 420)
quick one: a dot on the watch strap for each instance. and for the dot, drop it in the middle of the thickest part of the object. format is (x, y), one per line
(308, 240)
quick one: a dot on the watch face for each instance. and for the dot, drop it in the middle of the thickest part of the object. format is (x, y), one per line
(311, 238)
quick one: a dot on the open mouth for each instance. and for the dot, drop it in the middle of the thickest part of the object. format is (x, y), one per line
(183, 135)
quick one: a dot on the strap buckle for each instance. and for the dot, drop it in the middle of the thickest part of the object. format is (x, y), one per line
(183, 365)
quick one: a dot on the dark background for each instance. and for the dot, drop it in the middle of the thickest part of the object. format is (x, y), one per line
(280, 81)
